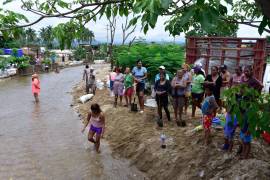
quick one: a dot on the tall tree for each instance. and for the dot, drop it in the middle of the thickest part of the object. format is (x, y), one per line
(127, 30)
(86, 35)
(112, 26)
(65, 33)
(46, 36)
(31, 35)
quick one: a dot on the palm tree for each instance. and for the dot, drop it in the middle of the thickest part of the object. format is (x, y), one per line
(86, 35)
(42, 35)
(46, 36)
(31, 35)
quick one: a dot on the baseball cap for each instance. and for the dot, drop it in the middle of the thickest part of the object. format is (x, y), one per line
(162, 67)
(223, 66)
(91, 67)
(198, 64)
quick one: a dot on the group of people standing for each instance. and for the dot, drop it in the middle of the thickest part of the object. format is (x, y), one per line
(206, 94)
(123, 84)
(203, 90)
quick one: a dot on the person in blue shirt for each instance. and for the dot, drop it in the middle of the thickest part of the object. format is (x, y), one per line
(161, 71)
(140, 75)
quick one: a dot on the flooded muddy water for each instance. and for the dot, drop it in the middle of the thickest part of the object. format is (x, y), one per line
(43, 141)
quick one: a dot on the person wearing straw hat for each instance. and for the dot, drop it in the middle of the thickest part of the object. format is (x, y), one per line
(35, 87)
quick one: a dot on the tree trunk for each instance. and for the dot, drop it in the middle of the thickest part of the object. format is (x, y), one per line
(110, 55)
(112, 29)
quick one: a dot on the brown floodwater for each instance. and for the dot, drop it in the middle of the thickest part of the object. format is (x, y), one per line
(43, 141)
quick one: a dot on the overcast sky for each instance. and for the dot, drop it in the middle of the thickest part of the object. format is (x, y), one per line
(99, 27)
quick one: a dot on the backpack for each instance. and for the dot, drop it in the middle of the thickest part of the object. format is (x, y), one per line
(206, 104)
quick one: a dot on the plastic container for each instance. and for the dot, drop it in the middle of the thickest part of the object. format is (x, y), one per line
(163, 139)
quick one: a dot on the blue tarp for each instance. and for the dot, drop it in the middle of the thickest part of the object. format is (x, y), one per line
(9, 52)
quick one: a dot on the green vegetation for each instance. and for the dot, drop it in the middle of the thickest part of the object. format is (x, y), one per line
(46, 62)
(3, 63)
(65, 33)
(256, 106)
(21, 62)
(152, 55)
(79, 53)
(199, 16)
(46, 36)
(14, 52)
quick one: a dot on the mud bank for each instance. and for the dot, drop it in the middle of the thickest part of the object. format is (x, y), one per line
(136, 137)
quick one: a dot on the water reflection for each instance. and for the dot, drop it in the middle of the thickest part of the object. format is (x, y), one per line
(43, 140)
(35, 111)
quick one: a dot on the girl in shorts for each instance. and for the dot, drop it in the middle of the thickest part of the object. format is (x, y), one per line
(97, 125)
(209, 108)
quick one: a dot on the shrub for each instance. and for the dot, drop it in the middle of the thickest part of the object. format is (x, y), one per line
(14, 52)
(46, 62)
(21, 62)
(152, 55)
(3, 63)
(80, 53)
(255, 105)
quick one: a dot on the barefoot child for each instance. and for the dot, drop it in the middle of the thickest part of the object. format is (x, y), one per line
(97, 125)
(209, 107)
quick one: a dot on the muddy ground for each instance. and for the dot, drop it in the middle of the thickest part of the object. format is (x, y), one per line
(136, 137)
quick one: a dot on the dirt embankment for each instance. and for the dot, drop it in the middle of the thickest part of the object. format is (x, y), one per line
(136, 137)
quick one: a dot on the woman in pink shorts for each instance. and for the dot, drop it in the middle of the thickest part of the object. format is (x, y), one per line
(35, 87)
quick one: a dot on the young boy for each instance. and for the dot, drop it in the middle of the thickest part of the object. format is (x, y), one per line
(229, 130)
(209, 108)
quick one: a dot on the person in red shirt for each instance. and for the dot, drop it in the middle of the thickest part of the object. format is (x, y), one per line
(35, 87)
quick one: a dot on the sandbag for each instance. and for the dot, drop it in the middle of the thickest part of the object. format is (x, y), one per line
(151, 103)
(11, 71)
(99, 84)
(83, 99)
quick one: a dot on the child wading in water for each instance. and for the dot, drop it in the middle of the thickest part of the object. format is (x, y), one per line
(208, 108)
(35, 87)
(97, 125)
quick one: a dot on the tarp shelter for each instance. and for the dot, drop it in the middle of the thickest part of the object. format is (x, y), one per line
(230, 51)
